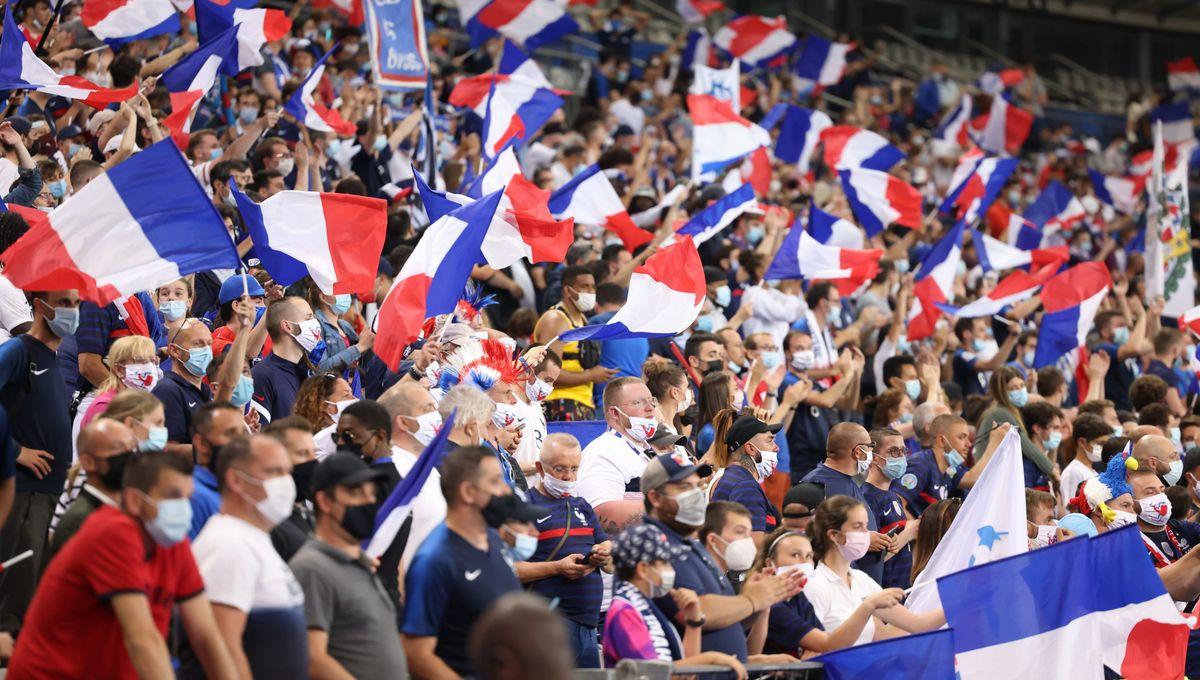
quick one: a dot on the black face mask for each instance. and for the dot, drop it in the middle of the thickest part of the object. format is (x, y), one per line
(359, 520)
(713, 366)
(213, 458)
(346, 444)
(498, 510)
(687, 417)
(302, 475)
(114, 475)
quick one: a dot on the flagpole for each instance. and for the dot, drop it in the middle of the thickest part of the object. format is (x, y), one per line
(50, 24)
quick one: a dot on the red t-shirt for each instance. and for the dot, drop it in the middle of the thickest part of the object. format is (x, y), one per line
(223, 337)
(70, 629)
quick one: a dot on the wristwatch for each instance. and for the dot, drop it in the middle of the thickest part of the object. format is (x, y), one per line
(696, 624)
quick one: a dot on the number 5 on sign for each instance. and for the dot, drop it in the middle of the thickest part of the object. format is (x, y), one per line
(396, 34)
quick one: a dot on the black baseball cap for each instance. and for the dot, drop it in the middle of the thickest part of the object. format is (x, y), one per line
(513, 508)
(808, 494)
(343, 469)
(664, 437)
(744, 429)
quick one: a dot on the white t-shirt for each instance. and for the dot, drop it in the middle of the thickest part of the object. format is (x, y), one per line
(1072, 476)
(611, 470)
(534, 433)
(774, 312)
(833, 602)
(9, 174)
(628, 114)
(429, 507)
(14, 308)
(324, 441)
(241, 568)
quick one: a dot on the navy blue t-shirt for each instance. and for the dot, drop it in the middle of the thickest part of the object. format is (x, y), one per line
(1119, 378)
(33, 393)
(1168, 375)
(180, 400)
(696, 570)
(840, 484)
(809, 431)
(790, 621)
(924, 484)
(888, 507)
(449, 585)
(965, 375)
(579, 599)
(276, 383)
(737, 484)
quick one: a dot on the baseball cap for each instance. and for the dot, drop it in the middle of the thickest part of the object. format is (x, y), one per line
(744, 428)
(666, 468)
(664, 437)
(644, 543)
(100, 118)
(805, 493)
(20, 124)
(513, 508)
(623, 131)
(233, 288)
(342, 469)
(69, 132)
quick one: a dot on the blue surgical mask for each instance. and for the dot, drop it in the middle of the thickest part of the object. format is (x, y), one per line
(954, 459)
(754, 234)
(1118, 430)
(156, 440)
(771, 359)
(380, 142)
(1028, 358)
(912, 388)
(65, 321)
(724, 296)
(1121, 335)
(834, 317)
(525, 548)
(172, 310)
(216, 153)
(906, 417)
(901, 266)
(243, 391)
(979, 344)
(704, 324)
(1019, 397)
(1176, 436)
(341, 304)
(247, 115)
(1052, 441)
(1176, 471)
(895, 468)
(74, 149)
(198, 361)
(172, 523)
(58, 188)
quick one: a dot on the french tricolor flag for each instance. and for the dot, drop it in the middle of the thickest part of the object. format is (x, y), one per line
(314, 115)
(719, 135)
(20, 69)
(142, 223)
(189, 80)
(1190, 320)
(665, 297)
(955, 126)
(1177, 124)
(523, 90)
(799, 132)
(1055, 210)
(1183, 75)
(694, 11)
(1016, 287)
(697, 51)
(970, 198)
(879, 199)
(934, 282)
(1070, 300)
(803, 255)
(433, 277)
(823, 62)
(531, 23)
(334, 238)
(501, 124)
(1122, 193)
(397, 507)
(995, 82)
(713, 219)
(256, 27)
(1004, 128)
(117, 22)
(758, 40)
(847, 146)
(351, 9)
(1142, 163)
(590, 198)
(998, 255)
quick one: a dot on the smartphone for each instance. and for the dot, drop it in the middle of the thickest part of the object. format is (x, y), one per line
(895, 531)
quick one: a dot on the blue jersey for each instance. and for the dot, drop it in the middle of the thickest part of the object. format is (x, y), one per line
(449, 585)
(924, 483)
(276, 383)
(1120, 377)
(1034, 478)
(33, 393)
(568, 526)
(790, 621)
(888, 507)
(738, 484)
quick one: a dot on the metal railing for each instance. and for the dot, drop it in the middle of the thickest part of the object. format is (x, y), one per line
(662, 670)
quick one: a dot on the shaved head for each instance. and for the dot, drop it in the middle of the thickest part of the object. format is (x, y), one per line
(843, 438)
(1156, 453)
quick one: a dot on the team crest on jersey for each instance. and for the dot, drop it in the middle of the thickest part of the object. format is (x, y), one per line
(579, 516)
(909, 481)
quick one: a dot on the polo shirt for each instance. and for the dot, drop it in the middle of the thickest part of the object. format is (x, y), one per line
(1120, 377)
(840, 484)
(1034, 477)
(790, 621)
(242, 570)
(696, 570)
(206, 500)
(834, 601)
(611, 469)
(449, 585)
(71, 609)
(344, 598)
(923, 484)
(33, 393)
(888, 507)
(809, 431)
(180, 400)
(738, 484)
(567, 526)
(276, 383)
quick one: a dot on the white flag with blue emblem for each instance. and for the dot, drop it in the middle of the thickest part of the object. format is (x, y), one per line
(990, 525)
(722, 83)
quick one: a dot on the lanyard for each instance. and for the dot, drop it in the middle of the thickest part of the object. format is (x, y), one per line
(640, 453)
(1156, 553)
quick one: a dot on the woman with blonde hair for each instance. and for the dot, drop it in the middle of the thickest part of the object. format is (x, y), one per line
(132, 364)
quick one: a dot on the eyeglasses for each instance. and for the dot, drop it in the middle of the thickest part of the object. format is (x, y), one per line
(643, 403)
(895, 452)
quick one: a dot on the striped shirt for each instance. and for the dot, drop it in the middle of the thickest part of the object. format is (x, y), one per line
(572, 518)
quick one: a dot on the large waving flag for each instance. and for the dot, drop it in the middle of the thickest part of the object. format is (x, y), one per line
(531, 23)
(799, 132)
(1122, 193)
(309, 112)
(255, 28)
(934, 282)
(501, 124)
(804, 256)
(721, 83)
(757, 40)
(823, 62)
(1071, 301)
(519, 90)
(120, 21)
(142, 223)
(847, 146)
(334, 238)
(995, 81)
(879, 199)
(390, 516)
(713, 219)
(1177, 124)
(697, 50)
(1183, 75)
(190, 80)
(20, 69)
(990, 525)
(1016, 287)
(1066, 610)
(665, 297)
(432, 280)
(1004, 128)
(1055, 210)
(694, 11)
(995, 254)
(971, 197)
(719, 135)
(590, 198)
(929, 656)
(955, 125)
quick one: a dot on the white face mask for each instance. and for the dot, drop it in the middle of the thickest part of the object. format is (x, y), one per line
(1046, 535)
(640, 429)
(1093, 454)
(766, 466)
(687, 399)
(142, 376)
(1155, 510)
(586, 302)
(557, 487)
(428, 425)
(1121, 519)
(341, 406)
(281, 495)
(505, 416)
(805, 568)
(538, 389)
(739, 554)
(668, 584)
(286, 166)
(865, 464)
(310, 333)
(804, 359)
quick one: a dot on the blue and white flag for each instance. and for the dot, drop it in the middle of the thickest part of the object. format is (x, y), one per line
(396, 33)
(799, 134)
(929, 656)
(391, 515)
(710, 221)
